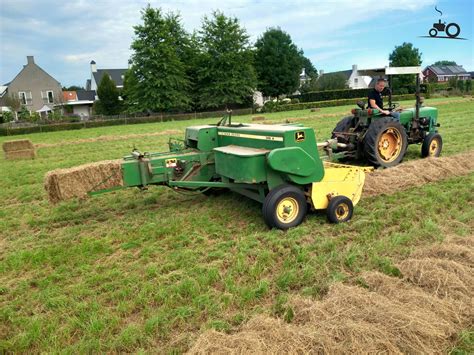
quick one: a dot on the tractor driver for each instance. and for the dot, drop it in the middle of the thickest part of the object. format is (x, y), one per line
(376, 101)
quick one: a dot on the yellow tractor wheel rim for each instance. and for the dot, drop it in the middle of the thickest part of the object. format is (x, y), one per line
(390, 145)
(287, 210)
(433, 147)
(342, 211)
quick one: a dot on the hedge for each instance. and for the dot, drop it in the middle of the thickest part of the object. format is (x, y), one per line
(8, 130)
(330, 103)
(314, 96)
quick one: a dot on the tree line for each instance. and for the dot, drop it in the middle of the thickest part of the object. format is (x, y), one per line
(212, 68)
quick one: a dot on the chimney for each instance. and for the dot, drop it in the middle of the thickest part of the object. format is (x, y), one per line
(321, 72)
(30, 59)
(93, 67)
(354, 68)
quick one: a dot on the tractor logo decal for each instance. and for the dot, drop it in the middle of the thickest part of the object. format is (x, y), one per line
(452, 29)
(299, 136)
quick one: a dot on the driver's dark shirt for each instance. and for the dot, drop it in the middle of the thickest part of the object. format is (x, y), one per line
(377, 96)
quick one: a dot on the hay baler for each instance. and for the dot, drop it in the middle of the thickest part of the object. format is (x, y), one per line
(276, 165)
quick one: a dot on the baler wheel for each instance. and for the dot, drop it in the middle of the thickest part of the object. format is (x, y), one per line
(432, 145)
(284, 207)
(340, 209)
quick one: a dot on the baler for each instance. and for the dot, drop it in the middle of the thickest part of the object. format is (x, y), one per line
(276, 165)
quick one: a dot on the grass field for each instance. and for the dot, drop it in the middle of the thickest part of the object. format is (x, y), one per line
(133, 270)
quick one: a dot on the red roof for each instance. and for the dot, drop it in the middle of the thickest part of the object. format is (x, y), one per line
(69, 96)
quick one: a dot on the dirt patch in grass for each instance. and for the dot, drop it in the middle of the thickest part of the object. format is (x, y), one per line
(417, 173)
(107, 138)
(63, 184)
(419, 313)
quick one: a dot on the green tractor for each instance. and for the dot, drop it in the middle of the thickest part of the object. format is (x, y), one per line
(381, 140)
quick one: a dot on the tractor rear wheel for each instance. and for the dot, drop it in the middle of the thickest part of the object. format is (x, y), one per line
(432, 145)
(342, 126)
(284, 207)
(385, 142)
(340, 209)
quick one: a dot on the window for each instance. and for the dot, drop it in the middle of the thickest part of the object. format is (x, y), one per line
(25, 97)
(47, 96)
(356, 81)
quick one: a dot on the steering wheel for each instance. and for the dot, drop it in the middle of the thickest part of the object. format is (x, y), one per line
(394, 106)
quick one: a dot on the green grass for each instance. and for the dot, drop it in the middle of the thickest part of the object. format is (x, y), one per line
(132, 270)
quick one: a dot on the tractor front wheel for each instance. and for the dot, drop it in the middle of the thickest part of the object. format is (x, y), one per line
(340, 209)
(432, 145)
(385, 142)
(284, 207)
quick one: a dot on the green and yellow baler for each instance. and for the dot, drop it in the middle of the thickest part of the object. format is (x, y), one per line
(276, 165)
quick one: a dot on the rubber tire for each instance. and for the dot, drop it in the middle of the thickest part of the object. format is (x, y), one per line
(334, 203)
(342, 126)
(271, 202)
(372, 137)
(425, 148)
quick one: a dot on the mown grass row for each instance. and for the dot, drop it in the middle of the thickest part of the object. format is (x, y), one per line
(135, 270)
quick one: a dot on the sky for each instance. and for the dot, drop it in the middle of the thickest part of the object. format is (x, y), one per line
(64, 36)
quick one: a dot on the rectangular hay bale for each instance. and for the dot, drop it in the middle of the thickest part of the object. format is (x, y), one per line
(20, 154)
(63, 184)
(20, 144)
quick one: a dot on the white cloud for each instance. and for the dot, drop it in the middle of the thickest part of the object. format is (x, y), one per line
(78, 31)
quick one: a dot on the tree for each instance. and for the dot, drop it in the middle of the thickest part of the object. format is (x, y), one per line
(108, 96)
(335, 81)
(13, 103)
(225, 73)
(73, 88)
(278, 63)
(441, 63)
(311, 74)
(157, 62)
(403, 56)
(129, 92)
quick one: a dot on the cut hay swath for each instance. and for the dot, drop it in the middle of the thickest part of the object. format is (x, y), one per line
(63, 184)
(420, 313)
(416, 173)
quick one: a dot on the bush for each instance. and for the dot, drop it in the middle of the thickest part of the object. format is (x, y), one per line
(7, 116)
(295, 101)
(24, 114)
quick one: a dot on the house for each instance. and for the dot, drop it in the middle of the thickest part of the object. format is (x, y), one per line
(356, 78)
(117, 76)
(445, 72)
(36, 90)
(79, 103)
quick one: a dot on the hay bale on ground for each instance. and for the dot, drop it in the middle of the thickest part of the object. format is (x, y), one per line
(20, 154)
(258, 118)
(63, 184)
(19, 149)
(20, 144)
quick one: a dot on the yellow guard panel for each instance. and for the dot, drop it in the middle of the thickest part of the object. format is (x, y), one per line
(339, 179)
